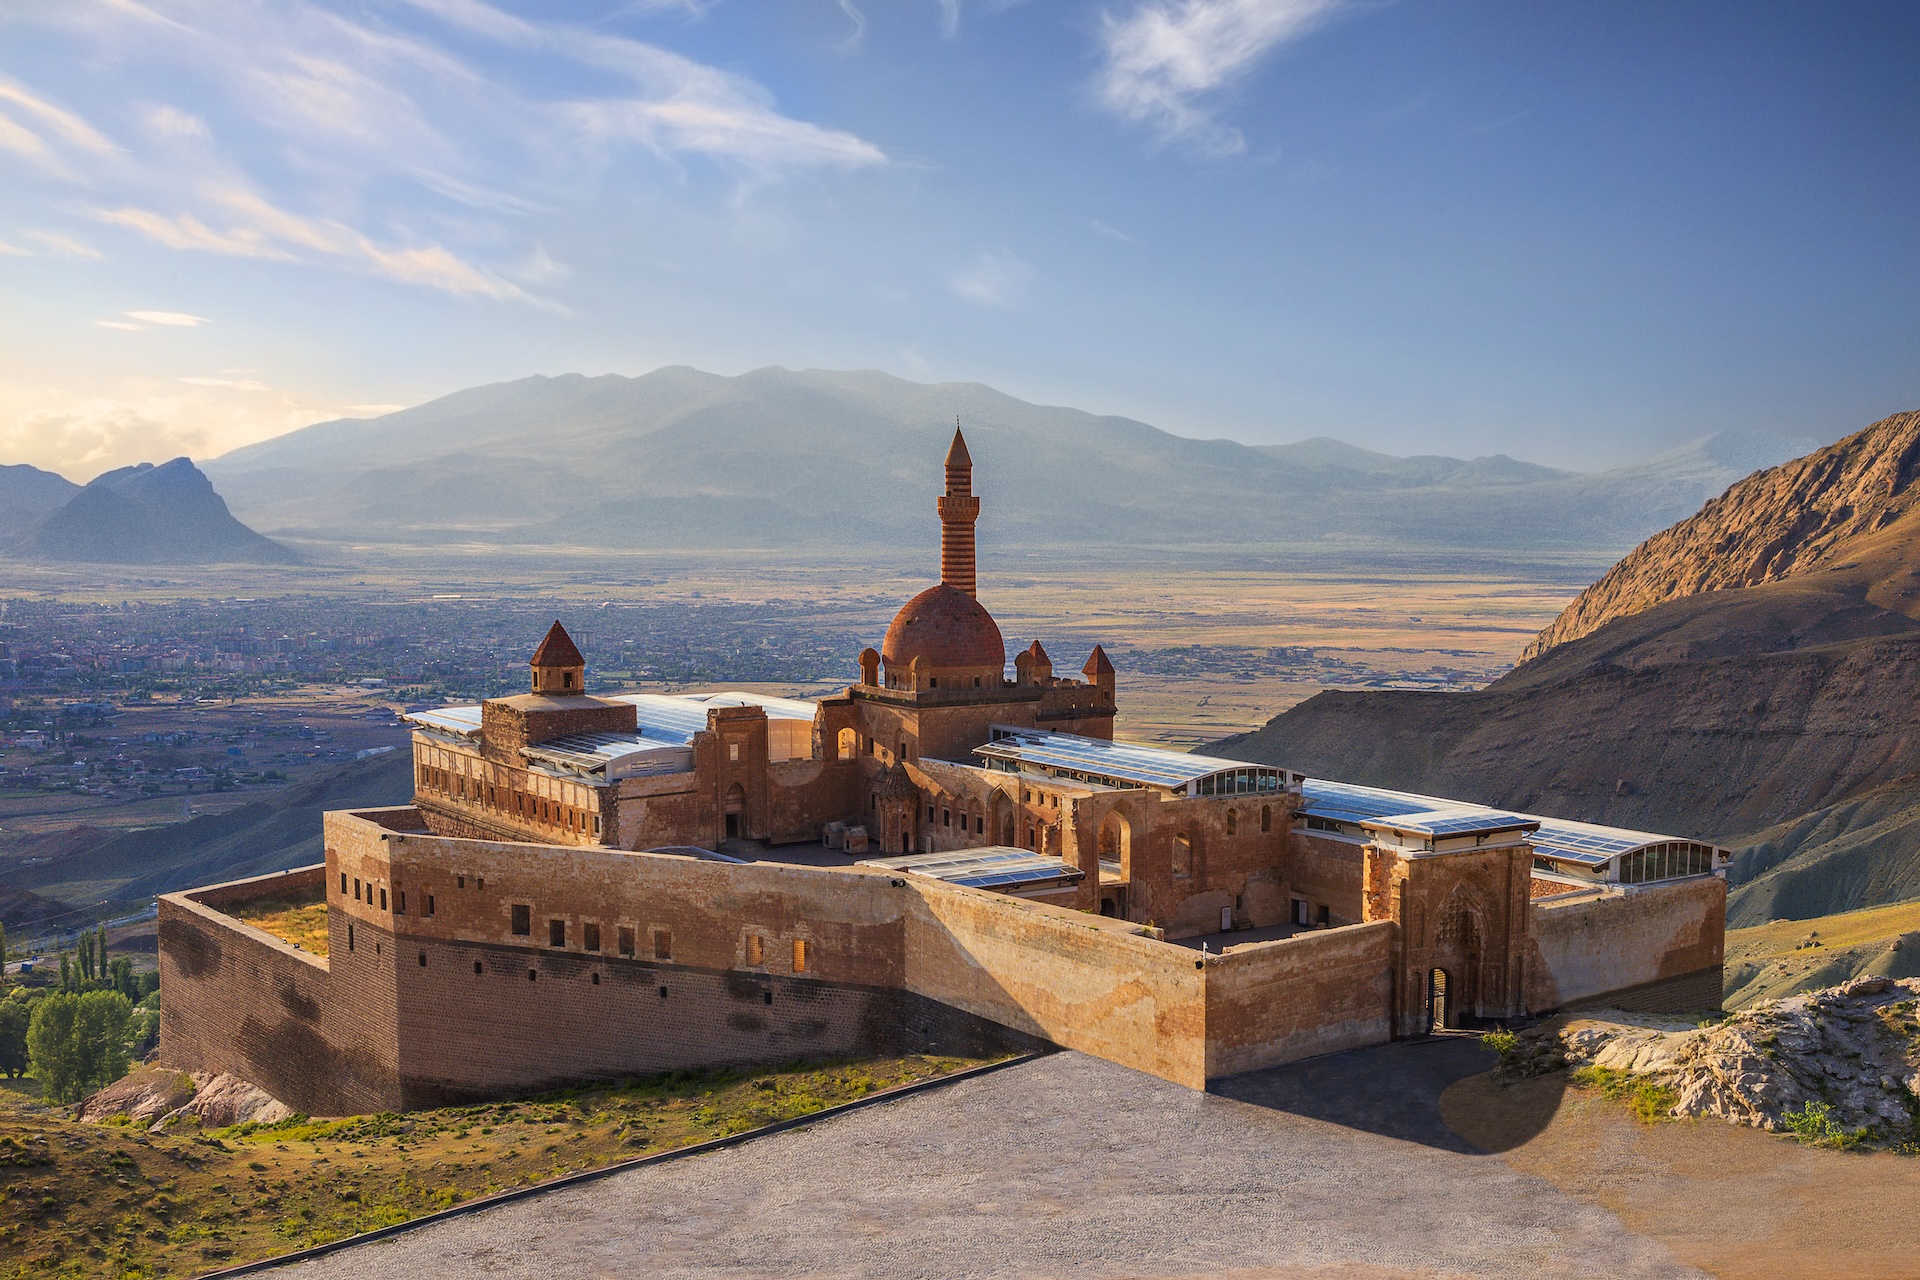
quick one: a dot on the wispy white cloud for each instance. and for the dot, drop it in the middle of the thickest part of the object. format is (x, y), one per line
(1165, 59)
(13, 251)
(61, 245)
(69, 127)
(172, 319)
(949, 18)
(859, 21)
(997, 278)
(373, 410)
(338, 136)
(256, 228)
(121, 325)
(1111, 233)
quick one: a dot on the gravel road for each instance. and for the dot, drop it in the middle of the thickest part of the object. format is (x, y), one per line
(1068, 1167)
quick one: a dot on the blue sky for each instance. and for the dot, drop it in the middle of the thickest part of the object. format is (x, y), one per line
(1576, 233)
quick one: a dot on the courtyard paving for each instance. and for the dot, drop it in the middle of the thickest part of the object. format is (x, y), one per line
(1072, 1167)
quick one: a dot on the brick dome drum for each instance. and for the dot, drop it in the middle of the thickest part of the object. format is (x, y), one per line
(944, 628)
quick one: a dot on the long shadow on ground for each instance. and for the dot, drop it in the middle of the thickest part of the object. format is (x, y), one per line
(1390, 1089)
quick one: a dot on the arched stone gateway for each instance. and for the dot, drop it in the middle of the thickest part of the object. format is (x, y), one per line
(1459, 949)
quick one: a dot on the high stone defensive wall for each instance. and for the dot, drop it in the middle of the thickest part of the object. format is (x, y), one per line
(463, 969)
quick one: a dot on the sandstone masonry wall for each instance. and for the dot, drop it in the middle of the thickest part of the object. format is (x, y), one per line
(1647, 942)
(1314, 993)
(233, 998)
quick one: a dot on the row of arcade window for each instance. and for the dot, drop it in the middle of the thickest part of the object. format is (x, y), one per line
(520, 803)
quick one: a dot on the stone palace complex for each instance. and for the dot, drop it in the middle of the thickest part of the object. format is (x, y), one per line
(947, 854)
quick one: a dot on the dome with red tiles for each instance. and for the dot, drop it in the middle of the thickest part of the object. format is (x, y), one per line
(945, 628)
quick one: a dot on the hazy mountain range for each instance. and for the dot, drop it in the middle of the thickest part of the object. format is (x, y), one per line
(780, 459)
(145, 514)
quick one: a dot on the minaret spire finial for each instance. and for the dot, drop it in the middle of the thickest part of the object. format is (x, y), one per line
(958, 510)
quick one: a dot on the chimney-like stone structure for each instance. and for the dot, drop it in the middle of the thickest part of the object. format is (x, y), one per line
(958, 510)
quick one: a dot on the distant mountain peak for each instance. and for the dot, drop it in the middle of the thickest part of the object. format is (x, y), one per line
(148, 514)
(1802, 516)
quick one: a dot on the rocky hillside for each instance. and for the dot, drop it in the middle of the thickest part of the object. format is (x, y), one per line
(1751, 676)
(1794, 519)
(28, 495)
(1838, 1067)
(167, 514)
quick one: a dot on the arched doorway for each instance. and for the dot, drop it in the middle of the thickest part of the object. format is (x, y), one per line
(1440, 1012)
(1116, 842)
(736, 804)
(1000, 810)
(1457, 950)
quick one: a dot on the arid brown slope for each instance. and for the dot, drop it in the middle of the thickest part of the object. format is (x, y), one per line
(1797, 518)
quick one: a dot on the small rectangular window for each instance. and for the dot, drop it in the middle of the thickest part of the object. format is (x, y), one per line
(590, 936)
(383, 899)
(626, 941)
(349, 937)
(343, 884)
(399, 902)
(556, 933)
(356, 888)
(799, 955)
(481, 883)
(756, 949)
(733, 752)
(662, 944)
(522, 919)
(429, 904)
(459, 882)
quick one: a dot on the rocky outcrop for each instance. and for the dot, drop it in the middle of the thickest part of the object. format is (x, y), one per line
(1776, 524)
(153, 1096)
(1842, 1064)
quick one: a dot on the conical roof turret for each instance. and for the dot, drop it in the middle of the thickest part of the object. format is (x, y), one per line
(957, 455)
(557, 650)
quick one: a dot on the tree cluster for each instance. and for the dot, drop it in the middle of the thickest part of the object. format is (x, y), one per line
(83, 1033)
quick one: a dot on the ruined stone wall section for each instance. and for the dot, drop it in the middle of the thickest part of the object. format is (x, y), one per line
(1321, 992)
(1593, 946)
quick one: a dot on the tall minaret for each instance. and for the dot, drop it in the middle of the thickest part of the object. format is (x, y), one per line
(958, 510)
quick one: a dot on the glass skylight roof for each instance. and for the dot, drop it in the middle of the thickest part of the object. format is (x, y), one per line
(1452, 821)
(1121, 762)
(464, 721)
(992, 867)
(1579, 842)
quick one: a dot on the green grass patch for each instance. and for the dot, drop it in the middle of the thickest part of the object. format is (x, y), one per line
(1648, 1099)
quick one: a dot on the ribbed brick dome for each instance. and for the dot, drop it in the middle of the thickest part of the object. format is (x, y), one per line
(943, 627)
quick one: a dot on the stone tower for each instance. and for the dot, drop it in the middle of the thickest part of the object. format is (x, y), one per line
(958, 510)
